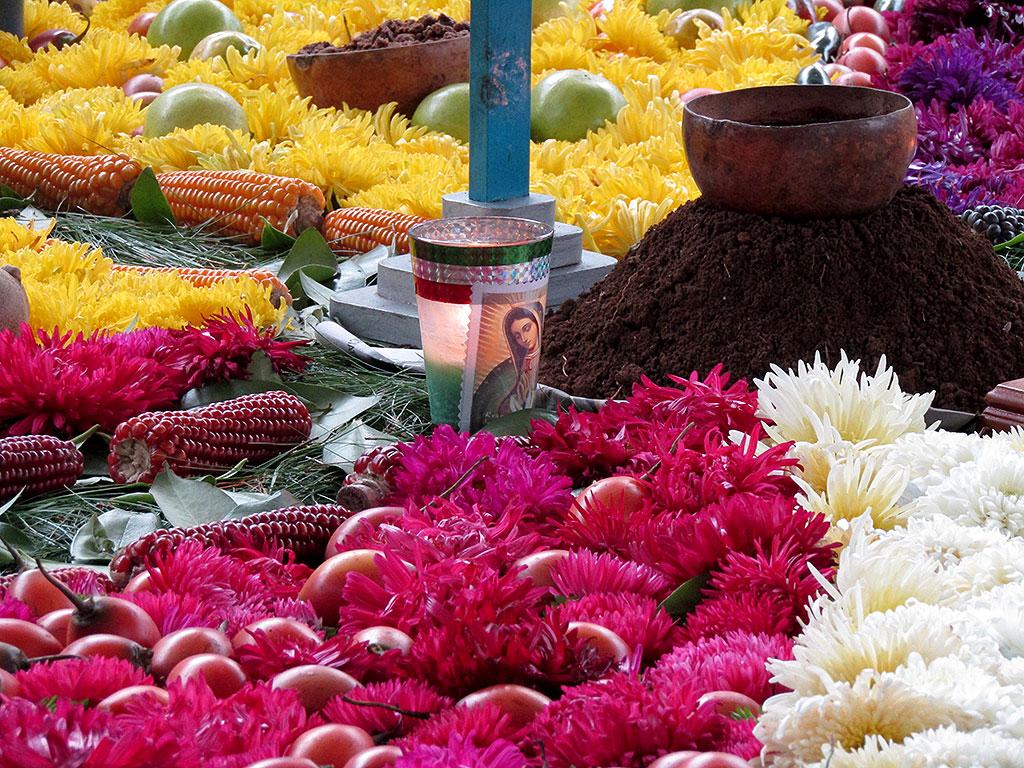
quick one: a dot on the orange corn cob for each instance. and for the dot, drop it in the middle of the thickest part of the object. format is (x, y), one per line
(203, 278)
(237, 202)
(361, 229)
(99, 184)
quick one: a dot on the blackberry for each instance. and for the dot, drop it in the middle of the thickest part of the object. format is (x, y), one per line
(998, 223)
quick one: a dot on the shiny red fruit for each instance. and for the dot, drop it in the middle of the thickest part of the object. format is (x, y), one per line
(729, 702)
(110, 647)
(284, 762)
(142, 84)
(278, 630)
(56, 623)
(381, 639)
(865, 60)
(372, 517)
(832, 8)
(223, 675)
(9, 685)
(675, 759)
(331, 745)
(141, 582)
(520, 703)
(180, 645)
(113, 616)
(325, 586)
(36, 591)
(693, 93)
(864, 40)
(606, 642)
(377, 757)
(140, 24)
(117, 702)
(855, 78)
(804, 9)
(538, 566)
(620, 495)
(862, 19)
(315, 685)
(32, 639)
(55, 38)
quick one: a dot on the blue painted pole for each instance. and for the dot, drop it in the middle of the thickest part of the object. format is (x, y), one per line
(499, 102)
(12, 17)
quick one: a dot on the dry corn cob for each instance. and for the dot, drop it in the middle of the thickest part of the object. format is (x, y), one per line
(99, 184)
(208, 439)
(372, 478)
(304, 530)
(237, 202)
(37, 463)
(362, 229)
(207, 277)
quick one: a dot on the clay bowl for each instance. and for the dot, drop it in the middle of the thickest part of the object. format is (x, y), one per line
(800, 151)
(367, 79)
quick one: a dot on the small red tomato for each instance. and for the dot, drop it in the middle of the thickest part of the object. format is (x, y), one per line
(110, 647)
(377, 757)
(864, 40)
(140, 84)
(331, 745)
(223, 675)
(833, 70)
(620, 495)
(859, 79)
(538, 566)
(862, 19)
(38, 593)
(30, 638)
(520, 703)
(283, 762)
(832, 8)
(367, 519)
(141, 23)
(729, 702)
(177, 646)
(606, 642)
(117, 702)
(326, 584)
(56, 623)
(278, 630)
(314, 684)
(693, 93)
(866, 60)
(381, 639)
(675, 759)
(9, 685)
(142, 582)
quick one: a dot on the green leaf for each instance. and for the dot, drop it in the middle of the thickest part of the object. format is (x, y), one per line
(10, 502)
(273, 239)
(6, 191)
(340, 413)
(251, 503)
(1010, 243)
(343, 450)
(312, 254)
(16, 538)
(8, 203)
(95, 452)
(318, 294)
(227, 390)
(186, 502)
(684, 599)
(104, 535)
(148, 201)
(518, 422)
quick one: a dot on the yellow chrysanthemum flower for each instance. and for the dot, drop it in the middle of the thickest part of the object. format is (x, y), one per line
(14, 49)
(202, 71)
(83, 122)
(181, 149)
(392, 126)
(255, 69)
(15, 236)
(629, 29)
(115, 14)
(262, 157)
(550, 57)
(338, 168)
(272, 114)
(41, 15)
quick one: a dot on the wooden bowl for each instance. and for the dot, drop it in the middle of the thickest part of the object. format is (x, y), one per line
(800, 151)
(367, 79)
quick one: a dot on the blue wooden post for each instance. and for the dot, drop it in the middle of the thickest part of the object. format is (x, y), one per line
(12, 17)
(499, 102)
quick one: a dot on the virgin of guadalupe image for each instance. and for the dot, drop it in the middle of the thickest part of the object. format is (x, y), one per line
(508, 387)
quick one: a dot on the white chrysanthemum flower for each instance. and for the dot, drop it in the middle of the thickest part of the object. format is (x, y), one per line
(998, 564)
(999, 615)
(1011, 672)
(857, 486)
(833, 648)
(859, 406)
(931, 456)
(942, 540)
(876, 753)
(799, 730)
(951, 748)
(988, 493)
(818, 456)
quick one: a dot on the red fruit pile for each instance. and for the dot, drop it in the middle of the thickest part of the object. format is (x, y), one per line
(485, 619)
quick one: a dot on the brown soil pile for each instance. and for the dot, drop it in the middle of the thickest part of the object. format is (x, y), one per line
(708, 286)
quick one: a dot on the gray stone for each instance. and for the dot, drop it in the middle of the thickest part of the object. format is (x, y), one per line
(533, 206)
(567, 246)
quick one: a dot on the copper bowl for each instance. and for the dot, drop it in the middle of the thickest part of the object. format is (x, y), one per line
(367, 79)
(800, 151)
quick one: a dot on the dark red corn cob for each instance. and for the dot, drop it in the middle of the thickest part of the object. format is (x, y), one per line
(208, 439)
(372, 478)
(304, 530)
(37, 463)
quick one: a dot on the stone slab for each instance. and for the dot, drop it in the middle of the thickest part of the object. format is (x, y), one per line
(367, 313)
(533, 206)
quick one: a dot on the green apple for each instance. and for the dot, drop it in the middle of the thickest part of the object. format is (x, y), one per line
(545, 10)
(446, 110)
(566, 105)
(191, 104)
(217, 44)
(685, 29)
(654, 7)
(185, 22)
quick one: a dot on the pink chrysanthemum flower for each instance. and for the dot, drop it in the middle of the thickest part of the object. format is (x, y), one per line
(601, 527)
(739, 612)
(499, 475)
(586, 573)
(634, 618)
(481, 725)
(410, 695)
(66, 734)
(622, 721)
(462, 753)
(62, 385)
(84, 581)
(740, 740)
(265, 657)
(82, 680)
(12, 608)
(172, 612)
(734, 661)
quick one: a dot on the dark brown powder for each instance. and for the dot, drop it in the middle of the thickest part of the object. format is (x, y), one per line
(397, 32)
(708, 286)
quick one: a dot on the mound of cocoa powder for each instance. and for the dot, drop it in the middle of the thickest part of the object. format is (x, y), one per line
(396, 32)
(708, 286)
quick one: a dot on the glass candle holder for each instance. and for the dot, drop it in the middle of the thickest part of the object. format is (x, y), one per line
(481, 289)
